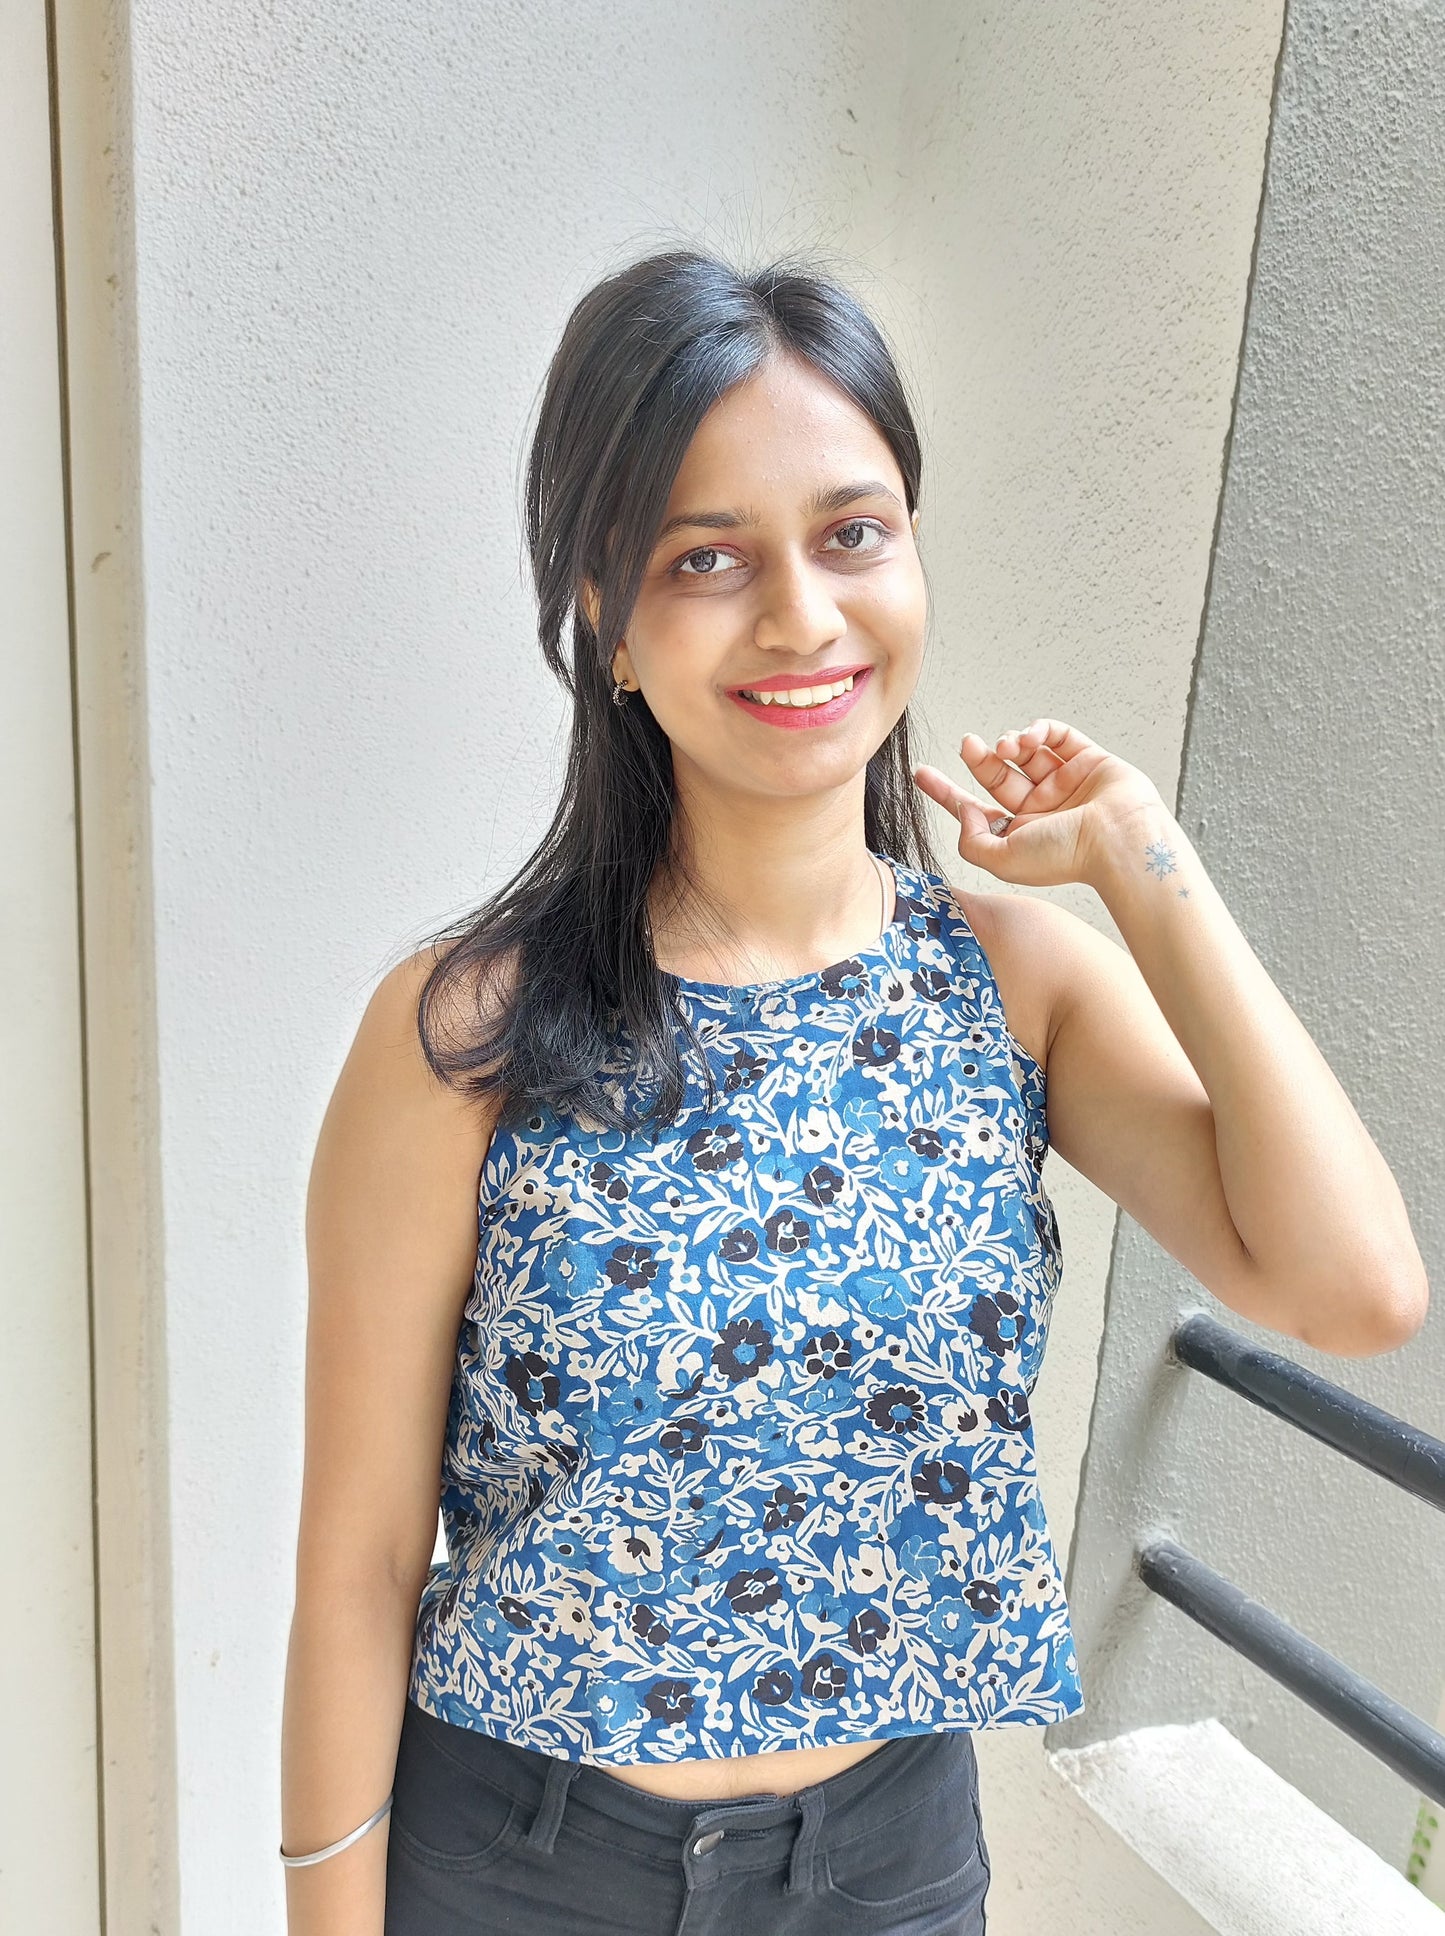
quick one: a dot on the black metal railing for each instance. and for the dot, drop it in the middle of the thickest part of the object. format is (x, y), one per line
(1402, 1453)
(1399, 1452)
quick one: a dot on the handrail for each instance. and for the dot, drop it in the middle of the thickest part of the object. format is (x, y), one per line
(1387, 1445)
(1356, 1706)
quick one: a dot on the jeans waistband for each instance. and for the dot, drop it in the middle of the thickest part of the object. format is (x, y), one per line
(544, 1783)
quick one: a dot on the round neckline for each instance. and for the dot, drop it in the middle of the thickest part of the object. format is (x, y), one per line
(881, 949)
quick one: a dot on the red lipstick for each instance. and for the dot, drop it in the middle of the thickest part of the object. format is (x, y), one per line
(800, 717)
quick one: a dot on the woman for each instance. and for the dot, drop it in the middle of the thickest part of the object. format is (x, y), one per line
(728, 1381)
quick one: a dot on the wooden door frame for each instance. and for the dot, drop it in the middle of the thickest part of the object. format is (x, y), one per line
(91, 143)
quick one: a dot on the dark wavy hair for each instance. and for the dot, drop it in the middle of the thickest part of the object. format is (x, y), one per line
(643, 357)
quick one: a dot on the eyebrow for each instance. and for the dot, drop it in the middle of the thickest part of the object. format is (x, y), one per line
(832, 499)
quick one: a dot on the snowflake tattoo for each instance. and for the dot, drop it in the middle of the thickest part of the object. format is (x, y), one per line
(1159, 860)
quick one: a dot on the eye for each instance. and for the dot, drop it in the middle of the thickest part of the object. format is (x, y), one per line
(703, 560)
(711, 553)
(855, 529)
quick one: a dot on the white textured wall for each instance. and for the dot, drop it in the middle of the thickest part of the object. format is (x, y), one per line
(359, 229)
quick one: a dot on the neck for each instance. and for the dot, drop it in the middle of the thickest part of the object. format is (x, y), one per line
(755, 898)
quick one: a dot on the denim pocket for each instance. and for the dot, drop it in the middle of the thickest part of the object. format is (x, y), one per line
(444, 1813)
(928, 1851)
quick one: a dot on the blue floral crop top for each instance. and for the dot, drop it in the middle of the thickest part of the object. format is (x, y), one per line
(738, 1454)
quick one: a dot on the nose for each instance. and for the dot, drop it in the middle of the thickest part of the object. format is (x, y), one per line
(797, 610)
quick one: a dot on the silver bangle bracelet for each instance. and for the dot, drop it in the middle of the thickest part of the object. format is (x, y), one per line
(302, 1861)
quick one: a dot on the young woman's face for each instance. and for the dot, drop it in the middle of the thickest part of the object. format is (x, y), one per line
(787, 562)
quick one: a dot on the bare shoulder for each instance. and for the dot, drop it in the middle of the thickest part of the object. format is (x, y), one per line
(391, 1236)
(1035, 949)
(397, 1140)
(386, 1060)
(388, 1040)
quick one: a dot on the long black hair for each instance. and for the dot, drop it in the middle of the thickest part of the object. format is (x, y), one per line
(528, 993)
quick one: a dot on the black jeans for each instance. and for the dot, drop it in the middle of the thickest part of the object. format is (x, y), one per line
(488, 1837)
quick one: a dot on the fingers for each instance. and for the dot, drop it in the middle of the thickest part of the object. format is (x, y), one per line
(1044, 746)
(1031, 771)
(1052, 757)
(983, 826)
(1008, 786)
(939, 787)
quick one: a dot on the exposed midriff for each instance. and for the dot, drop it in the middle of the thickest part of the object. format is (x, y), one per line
(711, 1778)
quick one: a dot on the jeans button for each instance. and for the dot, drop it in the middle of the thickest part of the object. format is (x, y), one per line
(705, 1844)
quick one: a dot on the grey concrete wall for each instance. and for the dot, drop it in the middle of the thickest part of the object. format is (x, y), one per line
(1314, 789)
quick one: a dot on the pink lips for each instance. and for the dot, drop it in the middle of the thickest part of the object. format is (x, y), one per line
(800, 717)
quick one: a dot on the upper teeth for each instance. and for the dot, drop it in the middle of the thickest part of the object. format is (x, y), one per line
(802, 695)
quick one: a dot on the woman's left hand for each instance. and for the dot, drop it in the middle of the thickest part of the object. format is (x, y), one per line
(1068, 800)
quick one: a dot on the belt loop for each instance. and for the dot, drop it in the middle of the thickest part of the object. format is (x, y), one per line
(800, 1869)
(560, 1775)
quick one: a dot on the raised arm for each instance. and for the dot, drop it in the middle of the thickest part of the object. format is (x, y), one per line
(391, 1234)
(1180, 1080)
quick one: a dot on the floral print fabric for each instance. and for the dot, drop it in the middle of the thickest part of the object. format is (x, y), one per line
(739, 1454)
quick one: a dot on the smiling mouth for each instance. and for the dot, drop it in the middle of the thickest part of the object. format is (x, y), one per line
(801, 696)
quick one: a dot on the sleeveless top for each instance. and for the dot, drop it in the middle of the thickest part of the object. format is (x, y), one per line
(738, 1455)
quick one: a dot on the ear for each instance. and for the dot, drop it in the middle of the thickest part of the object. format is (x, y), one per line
(622, 668)
(591, 602)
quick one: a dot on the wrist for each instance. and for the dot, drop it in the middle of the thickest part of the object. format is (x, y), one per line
(1143, 842)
